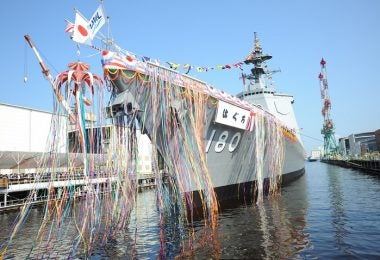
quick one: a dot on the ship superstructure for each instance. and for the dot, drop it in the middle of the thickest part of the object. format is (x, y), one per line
(259, 91)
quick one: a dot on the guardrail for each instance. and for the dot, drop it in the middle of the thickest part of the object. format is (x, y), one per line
(15, 203)
(145, 181)
(6, 181)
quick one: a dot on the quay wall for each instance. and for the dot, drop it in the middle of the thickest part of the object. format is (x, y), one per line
(372, 166)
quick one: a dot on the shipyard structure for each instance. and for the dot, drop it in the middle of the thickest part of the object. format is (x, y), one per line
(360, 144)
(24, 141)
(359, 151)
(355, 146)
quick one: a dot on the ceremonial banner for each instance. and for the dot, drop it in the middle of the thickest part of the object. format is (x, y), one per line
(96, 22)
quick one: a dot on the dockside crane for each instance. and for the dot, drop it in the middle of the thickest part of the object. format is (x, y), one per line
(328, 128)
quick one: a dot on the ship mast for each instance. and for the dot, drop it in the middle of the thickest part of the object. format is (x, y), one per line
(330, 147)
(257, 57)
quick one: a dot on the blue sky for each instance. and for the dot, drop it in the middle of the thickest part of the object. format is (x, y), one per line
(298, 33)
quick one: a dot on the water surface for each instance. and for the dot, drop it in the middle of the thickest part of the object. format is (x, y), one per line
(330, 212)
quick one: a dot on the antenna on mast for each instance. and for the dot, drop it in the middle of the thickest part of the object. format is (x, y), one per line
(256, 57)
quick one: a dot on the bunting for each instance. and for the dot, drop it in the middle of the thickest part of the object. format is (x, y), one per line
(186, 68)
(83, 31)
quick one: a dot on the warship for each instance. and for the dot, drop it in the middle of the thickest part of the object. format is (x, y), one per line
(247, 144)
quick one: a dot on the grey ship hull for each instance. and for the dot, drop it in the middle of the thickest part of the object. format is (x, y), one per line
(233, 174)
(231, 169)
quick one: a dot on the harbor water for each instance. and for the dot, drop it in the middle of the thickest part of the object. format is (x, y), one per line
(330, 212)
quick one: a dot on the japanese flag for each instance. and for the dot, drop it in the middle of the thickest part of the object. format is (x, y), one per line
(81, 32)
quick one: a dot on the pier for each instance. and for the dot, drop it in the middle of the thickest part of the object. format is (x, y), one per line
(372, 166)
(15, 188)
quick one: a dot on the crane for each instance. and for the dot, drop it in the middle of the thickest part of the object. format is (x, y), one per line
(328, 130)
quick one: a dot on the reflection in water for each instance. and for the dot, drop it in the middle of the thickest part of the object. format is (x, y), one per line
(337, 200)
(274, 229)
(343, 217)
(330, 212)
(263, 220)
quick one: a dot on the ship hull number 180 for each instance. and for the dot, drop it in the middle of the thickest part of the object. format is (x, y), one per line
(222, 141)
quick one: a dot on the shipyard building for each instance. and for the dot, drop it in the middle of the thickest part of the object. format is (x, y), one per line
(25, 136)
(360, 144)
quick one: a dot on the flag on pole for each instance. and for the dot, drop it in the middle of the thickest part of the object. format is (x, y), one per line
(96, 22)
(81, 32)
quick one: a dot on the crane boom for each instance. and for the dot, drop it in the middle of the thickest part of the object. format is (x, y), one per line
(46, 72)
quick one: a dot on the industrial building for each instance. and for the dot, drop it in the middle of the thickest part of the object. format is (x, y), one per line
(359, 144)
(25, 139)
(24, 135)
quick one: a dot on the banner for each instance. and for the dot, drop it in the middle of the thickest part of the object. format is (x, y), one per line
(96, 22)
(228, 114)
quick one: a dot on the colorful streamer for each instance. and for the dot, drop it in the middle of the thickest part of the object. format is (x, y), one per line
(100, 192)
